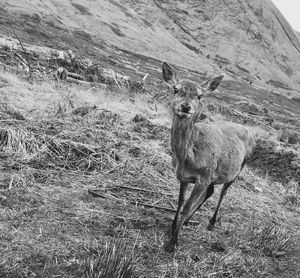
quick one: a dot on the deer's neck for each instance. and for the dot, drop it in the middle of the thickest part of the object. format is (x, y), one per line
(181, 133)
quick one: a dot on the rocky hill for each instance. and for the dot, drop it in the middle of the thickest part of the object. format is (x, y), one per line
(247, 38)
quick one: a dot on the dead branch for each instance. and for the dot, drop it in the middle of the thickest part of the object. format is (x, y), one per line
(171, 204)
(238, 113)
(82, 82)
(114, 77)
(144, 190)
(102, 194)
(98, 193)
(63, 74)
(162, 208)
(152, 206)
(22, 60)
(73, 80)
(75, 75)
(144, 79)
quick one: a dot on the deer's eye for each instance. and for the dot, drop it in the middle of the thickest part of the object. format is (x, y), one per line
(199, 97)
(176, 90)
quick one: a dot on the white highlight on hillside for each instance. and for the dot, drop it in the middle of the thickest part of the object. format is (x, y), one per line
(290, 10)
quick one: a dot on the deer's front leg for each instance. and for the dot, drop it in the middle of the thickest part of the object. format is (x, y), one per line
(183, 187)
(197, 197)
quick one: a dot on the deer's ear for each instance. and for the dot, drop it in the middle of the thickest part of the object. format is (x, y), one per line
(211, 84)
(169, 75)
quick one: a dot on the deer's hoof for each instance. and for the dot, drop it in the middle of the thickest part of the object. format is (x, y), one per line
(210, 227)
(169, 247)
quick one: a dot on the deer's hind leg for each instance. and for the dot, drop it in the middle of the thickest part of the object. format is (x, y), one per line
(212, 221)
(209, 192)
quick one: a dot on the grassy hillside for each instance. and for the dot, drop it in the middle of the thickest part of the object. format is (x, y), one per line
(81, 183)
(87, 188)
(249, 39)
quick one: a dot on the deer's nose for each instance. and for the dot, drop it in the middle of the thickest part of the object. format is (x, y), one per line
(185, 108)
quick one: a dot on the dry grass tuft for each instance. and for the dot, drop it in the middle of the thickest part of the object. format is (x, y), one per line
(271, 239)
(18, 142)
(116, 260)
(292, 193)
(44, 151)
(7, 112)
(280, 164)
(287, 136)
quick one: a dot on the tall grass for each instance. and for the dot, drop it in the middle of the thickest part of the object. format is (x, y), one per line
(115, 261)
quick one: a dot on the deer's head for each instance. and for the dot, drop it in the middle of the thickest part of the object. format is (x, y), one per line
(187, 94)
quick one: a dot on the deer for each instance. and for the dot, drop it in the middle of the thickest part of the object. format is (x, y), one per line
(204, 153)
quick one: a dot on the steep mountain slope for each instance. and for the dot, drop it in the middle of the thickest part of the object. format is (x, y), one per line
(248, 38)
(104, 21)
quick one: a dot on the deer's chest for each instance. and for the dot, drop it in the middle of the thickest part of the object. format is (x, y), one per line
(186, 167)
